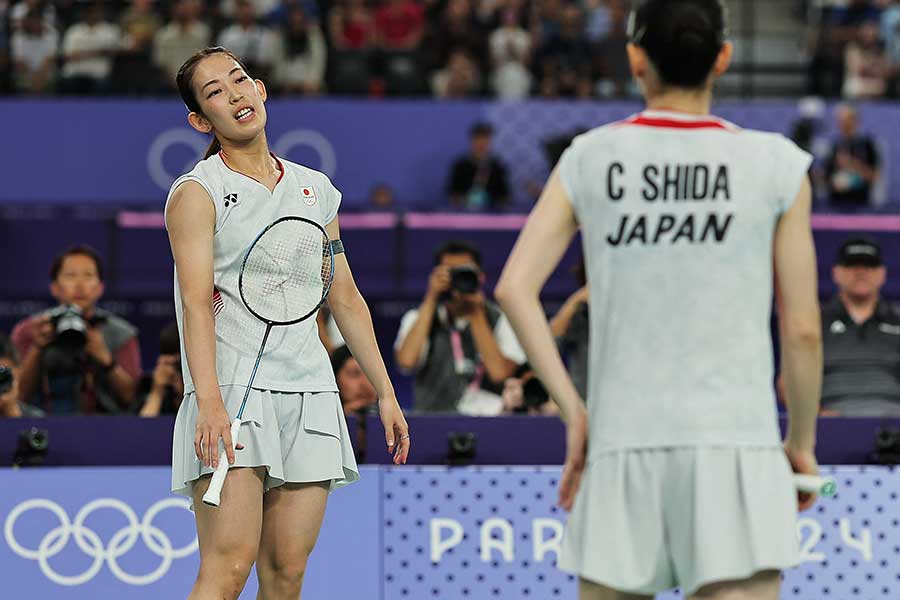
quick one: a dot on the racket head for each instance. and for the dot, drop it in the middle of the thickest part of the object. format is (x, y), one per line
(287, 271)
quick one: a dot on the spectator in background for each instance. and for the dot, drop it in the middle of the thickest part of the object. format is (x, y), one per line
(34, 48)
(45, 8)
(609, 57)
(510, 48)
(382, 197)
(525, 394)
(852, 168)
(166, 385)
(254, 43)
(564, 58)
(11, 406)
(78, 358)
(178, 40)
(88, 49)
(861, 337)
(458, 344)
(358, 396)
(302, 53)
(570, 327)
(399, 25)
(478, 180)
(866, 66)
(134, 71)
(459, 78)
(456, 30)
(351, 26)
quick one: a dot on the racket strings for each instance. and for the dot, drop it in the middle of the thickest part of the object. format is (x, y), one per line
(287, 272)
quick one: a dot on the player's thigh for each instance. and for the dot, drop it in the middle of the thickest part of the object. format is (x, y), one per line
(292, 518)
(764, 585)
(588, 590)
(235, 525)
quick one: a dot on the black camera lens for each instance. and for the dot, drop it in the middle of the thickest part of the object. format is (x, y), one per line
(461, 447)
(464, 280)
(6, 379)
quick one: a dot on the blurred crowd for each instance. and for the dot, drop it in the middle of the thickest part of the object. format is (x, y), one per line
(855, 49)
(444, 48)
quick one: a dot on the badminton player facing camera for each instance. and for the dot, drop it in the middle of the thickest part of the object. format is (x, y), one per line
(293, 441)
(675, 473)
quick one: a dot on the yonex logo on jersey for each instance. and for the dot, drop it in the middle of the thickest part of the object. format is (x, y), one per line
(308, 194)
(230, 199)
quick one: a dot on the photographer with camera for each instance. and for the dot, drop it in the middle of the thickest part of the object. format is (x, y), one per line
(164, 389)
(524, 394)
(459, 344)
(10, 405)
(78, 358)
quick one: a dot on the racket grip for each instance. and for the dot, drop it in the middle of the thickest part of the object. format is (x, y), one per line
(214, 491)
(813, 484)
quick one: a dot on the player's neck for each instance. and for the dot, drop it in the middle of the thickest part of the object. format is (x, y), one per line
(253, 160)
(693, 103)
(859, 309)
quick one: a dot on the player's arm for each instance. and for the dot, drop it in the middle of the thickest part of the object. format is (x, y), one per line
(542, 243)
(191, 221)
(799, 321)
(355, 323)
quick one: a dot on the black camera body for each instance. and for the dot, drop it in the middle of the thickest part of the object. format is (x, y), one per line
(69, 324)
(31, 450)
(534, 394)
(6, 379)
(465, 279)
(887, 446)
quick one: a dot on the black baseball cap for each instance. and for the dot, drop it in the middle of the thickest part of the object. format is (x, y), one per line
(860, 252)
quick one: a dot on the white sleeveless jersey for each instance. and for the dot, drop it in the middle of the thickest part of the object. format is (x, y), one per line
(678, 215)
(294, 359)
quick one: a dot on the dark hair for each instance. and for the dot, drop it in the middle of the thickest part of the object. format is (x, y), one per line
(79, 250)
(458, 247)
(681, 37)
(339, 358)
(8, 350)
(185, 79)
(481, 129)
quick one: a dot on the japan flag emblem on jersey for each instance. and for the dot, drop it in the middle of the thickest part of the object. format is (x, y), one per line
(308, 194)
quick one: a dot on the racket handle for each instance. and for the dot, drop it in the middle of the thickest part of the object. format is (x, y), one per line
(813, 484)
(214, 491)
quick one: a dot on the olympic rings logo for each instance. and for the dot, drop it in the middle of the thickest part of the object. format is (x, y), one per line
(90, 543)
(197, 143)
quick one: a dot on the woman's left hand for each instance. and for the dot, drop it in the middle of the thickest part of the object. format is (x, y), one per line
(396, 431)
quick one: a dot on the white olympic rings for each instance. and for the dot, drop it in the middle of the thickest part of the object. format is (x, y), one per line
(90, 543)
(196, 144)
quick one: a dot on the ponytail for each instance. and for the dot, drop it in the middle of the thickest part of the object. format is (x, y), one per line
(214, 147)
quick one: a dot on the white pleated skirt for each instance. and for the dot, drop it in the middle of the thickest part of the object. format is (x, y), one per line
(297, 437)
(646, 521)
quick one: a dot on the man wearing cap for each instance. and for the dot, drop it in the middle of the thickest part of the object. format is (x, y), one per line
(861, 337)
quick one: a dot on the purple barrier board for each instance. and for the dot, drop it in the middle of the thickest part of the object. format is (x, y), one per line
(513, 440)
(127, 152)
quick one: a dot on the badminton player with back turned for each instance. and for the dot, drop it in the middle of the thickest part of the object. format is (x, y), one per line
(294, 445)
(675, 473)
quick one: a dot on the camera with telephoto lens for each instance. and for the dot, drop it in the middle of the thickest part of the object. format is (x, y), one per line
(6, 379)
(69, 325)
(465, 279)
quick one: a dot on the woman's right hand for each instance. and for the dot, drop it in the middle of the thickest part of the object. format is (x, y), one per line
(212, 424)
